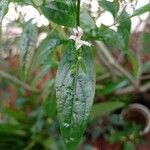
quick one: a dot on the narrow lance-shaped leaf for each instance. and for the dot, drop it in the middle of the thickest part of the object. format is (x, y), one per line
(102, 109)
(111, 87)
(124, 28)
(136, 67)
(27, 47)
(75, 91)
(142, 10)
(3, 9)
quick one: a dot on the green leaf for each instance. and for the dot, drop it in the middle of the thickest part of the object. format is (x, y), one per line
(16, 114)
(50, 105)
(70, 2)
(42, 72)
(112, 87)
(75, 93)
(128, 146)
(11, 129)
(38, 2)
(112, 7)
(59, 13)
(87, 23)
(27, 47)
(46, 47)
(112, 38)
(105, 108)
(3, 9)
(22, 2)
(134, 62)
(124, 28)
(142, 10)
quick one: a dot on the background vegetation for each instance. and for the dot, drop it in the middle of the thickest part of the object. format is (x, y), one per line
(30, 56)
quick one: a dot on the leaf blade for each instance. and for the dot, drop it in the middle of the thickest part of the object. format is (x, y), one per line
(142, 10)
(27, 47)
(104, 108)
(59, 13)
(74, 97)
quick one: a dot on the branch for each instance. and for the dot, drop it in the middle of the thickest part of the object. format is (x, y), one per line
(131, 90)
(101, 47)
(17, 81)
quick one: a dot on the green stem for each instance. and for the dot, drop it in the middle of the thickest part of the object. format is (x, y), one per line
(33, 142)
(78, 12)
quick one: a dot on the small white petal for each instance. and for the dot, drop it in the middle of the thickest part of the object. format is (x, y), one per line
(80, 31)
(72, 37)
(75, 31)
(78, 45)
(86, 43)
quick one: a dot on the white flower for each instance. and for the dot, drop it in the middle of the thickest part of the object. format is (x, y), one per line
(78, 33)
(125, 4)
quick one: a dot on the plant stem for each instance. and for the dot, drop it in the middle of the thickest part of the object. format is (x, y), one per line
(131, 90)
(78, 12)
(17, 81)
(33, 142)
(100, 46)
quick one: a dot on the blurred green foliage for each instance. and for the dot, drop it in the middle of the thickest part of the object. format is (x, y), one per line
(28, 103)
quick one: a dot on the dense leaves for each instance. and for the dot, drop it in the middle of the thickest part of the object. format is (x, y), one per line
(28, 111)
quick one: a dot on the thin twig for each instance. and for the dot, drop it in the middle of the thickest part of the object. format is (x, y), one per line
(131, 90)
(17, 81)
(145, 77)
(103, 77)
(33, 142)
